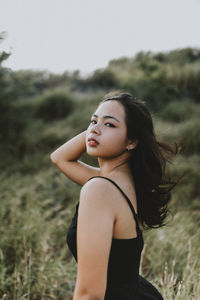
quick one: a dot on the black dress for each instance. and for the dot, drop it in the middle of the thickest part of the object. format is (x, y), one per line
(123, 279)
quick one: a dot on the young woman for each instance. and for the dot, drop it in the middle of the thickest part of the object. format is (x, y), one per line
(128, 192)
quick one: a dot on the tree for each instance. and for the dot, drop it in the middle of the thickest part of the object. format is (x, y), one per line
(12, 124)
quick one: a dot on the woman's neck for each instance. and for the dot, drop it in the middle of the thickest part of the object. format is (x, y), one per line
(113, 166)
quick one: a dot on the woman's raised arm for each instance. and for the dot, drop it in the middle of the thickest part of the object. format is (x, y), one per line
(66, 159)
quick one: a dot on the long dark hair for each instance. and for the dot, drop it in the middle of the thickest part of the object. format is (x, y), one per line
(147, 161)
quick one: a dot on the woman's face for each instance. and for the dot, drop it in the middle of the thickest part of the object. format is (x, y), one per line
(108, 129)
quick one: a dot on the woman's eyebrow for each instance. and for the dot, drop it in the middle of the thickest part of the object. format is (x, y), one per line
(107, 117)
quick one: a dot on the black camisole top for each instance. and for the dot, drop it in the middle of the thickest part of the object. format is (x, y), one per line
(123, 279)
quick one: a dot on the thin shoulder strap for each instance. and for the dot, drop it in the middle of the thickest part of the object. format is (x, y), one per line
(129, 202)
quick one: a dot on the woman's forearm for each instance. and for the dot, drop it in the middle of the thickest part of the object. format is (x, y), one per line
(71, 150)
(66, 159)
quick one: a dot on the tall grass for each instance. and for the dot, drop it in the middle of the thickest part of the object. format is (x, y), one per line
(35, 214)
(36, 264)
(36, 209)
(37, 201)
(171, 256)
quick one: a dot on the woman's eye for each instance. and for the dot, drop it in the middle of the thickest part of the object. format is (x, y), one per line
(110, 125)
(107, 124)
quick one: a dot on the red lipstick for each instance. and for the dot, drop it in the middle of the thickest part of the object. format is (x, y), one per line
(92, 142)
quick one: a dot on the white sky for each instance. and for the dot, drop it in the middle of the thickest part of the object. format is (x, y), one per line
(59, 35)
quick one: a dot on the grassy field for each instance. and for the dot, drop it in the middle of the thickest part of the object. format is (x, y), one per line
(38, 201)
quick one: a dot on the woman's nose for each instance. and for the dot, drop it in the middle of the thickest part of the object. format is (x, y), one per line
(95, 129)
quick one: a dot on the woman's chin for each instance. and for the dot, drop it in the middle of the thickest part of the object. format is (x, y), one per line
(92, 152)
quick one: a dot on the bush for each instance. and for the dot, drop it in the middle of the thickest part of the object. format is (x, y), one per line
(102, 79)
(54, 107)
(185, 133)
(152, 87)
(190, 137)
(177, 111)
(14, 120)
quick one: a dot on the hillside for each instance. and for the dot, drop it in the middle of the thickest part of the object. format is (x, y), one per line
(39, 111)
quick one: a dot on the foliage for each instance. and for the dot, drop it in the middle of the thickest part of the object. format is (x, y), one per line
(190, 137)
(12, 117)
(102, 79)
(179, 111)
(30, 83)
(55, 106)
(37, 201)
(161, 77)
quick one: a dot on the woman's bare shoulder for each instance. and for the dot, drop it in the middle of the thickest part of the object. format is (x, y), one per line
(96, 185)
(99, 189)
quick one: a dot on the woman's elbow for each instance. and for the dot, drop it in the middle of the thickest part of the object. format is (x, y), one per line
(88, 296)
(53, 158)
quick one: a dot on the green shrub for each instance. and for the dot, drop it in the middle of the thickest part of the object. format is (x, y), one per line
(190, 137)
(55, 106)
(102, 79)
(155, 89)
(177, 111)
(185, 133)
(183, 56)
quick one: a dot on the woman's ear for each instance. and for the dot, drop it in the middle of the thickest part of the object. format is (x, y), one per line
(132, 144)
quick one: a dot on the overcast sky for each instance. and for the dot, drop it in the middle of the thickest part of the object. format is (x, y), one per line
(59, 35)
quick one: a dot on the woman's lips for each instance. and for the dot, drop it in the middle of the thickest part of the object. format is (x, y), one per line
(92, 142)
